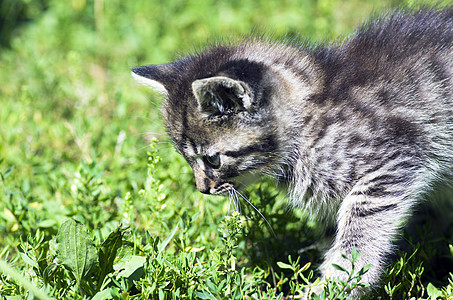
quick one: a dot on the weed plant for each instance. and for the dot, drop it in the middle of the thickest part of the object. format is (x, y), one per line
(96, 204)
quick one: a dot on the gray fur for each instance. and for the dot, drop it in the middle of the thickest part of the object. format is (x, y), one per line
(360, 131)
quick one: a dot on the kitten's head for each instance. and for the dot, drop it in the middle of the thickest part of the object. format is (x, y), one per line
(217, 113)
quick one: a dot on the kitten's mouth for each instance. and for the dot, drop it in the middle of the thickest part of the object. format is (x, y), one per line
(240, 183)
(224, 189)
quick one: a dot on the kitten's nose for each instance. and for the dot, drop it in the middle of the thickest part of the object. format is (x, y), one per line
(203, 183)
(205, 191)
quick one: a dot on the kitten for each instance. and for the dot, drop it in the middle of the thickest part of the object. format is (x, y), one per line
(361, 129)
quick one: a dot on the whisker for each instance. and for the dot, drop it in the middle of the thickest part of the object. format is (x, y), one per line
(162, 145)
(237, 203)
(143, 148)
(256, 209)
(276, 155)
(230, 198)
(152, 121)
(272, 174)
(151, 133)
(241, 184)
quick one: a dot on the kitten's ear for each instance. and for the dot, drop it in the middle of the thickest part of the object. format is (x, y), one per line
(222, 95)
(156, 77)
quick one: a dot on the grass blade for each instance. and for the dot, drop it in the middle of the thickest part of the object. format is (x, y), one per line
(27, 284)
(167, 240)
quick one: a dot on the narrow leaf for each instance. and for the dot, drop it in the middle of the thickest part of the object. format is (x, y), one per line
(10, 169)
(161, 295)
(305, 267)
(284, 266)
(75, 249)
(340, 268)
(354, 253)
(28, 260)
(168, 239)
(364, 270)
(46, 223)
(205, 295)
(108, 252)
(195, 216)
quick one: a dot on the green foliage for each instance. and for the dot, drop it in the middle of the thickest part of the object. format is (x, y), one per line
(301, 285)
(89, 210)
(75, 249)
(406, 277)
(338, 289)
(16, 12)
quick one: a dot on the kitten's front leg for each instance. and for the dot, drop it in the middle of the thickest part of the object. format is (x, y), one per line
(369, 218)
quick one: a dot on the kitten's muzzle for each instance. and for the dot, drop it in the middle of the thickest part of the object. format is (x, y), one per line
(211, 187)
(203, 183)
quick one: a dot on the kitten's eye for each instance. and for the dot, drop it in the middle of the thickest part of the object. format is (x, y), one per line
(212, 161)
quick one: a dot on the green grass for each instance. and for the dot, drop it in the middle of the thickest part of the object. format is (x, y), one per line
(94, 201)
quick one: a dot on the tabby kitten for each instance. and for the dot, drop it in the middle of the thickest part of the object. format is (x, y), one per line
(360, 129)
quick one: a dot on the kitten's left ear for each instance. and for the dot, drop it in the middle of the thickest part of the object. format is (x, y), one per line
(221, 95)
(157, 77)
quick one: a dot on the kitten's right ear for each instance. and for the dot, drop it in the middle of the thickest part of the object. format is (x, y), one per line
(222, 95)
(156, 77)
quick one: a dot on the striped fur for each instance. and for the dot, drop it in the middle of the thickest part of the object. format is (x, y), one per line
(360, 130)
